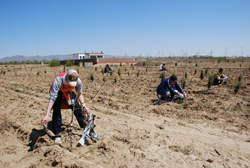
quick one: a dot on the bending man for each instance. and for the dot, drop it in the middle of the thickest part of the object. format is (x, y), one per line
(65, 92)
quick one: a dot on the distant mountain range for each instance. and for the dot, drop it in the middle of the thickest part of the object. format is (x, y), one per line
(41, 58)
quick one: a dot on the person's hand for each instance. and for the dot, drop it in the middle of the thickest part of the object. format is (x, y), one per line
(184, 94)
(181, 96)
(226, 77)
(85, 108)
(44, 120)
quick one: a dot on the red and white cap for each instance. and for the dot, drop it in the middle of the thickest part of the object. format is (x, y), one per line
(70, 78)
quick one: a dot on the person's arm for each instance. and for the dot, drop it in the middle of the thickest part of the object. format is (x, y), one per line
(180, 88)
(45, 118)
(81, 100)
(79, 96)
(170, 87)
(53, 96)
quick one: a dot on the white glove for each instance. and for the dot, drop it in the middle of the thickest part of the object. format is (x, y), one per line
(185, 95)
(226, 77)
(181, 96)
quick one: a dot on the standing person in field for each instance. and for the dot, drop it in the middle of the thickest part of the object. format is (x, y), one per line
(170, 87)
(66, 91)
(219, 78)
(162, 67)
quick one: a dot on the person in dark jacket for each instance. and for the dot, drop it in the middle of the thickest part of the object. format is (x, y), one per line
(107, 69)
(170, 87)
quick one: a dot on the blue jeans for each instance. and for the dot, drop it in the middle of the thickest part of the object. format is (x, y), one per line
(165, 94)
(56, 116)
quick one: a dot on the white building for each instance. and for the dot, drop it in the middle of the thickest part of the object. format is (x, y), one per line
(85, 55)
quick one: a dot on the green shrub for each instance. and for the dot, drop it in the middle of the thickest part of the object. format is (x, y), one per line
(128, 73)
(196, 64)
(162, 76)
(147, 69)
(138, 73)
(119, 72)
(176, 64)
(54, 62)
(183, 83)
(4, 72)
(95, 68)
(186, 75)
(63, 68)
(195, 71)
(115, 80)
(144, 63)
(104, 78)
(210, 81)
(78, 71)
(92, 77)
(240, 78)
(45, 71)
(206, 71)
(237, 88)
(120, 64)
(111, 72)
(69, 63)
(37, 73)
(202, 74)
(102, 71)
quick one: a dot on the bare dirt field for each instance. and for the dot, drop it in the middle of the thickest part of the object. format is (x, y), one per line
(210, 128)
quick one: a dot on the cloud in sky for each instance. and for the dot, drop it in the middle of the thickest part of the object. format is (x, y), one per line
(141, 27)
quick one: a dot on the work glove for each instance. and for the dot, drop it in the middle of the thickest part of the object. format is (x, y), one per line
(185, 95)
(181, 96)
(226, 77)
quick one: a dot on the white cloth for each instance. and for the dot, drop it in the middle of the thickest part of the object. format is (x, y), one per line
(160, 68)
(181, 96)
(226, 77)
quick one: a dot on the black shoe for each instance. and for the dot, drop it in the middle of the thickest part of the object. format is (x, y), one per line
(224, 83)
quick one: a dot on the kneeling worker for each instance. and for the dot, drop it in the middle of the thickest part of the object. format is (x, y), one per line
(170, 87)
(219, 78)
(162, 67)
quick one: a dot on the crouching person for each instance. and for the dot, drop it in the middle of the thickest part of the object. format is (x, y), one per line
(220, 78)
(66, 91)
(168, 88)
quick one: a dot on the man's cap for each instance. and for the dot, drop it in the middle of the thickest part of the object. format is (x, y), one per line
(70, 78)
(173, 78)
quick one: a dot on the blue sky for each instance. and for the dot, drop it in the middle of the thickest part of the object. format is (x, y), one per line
(125, 27)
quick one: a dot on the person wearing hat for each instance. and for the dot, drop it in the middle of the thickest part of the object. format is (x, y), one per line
(170, 87)
(162, 67)
(65, 91)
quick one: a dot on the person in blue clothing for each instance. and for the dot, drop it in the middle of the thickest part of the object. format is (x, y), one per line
(170, 87)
